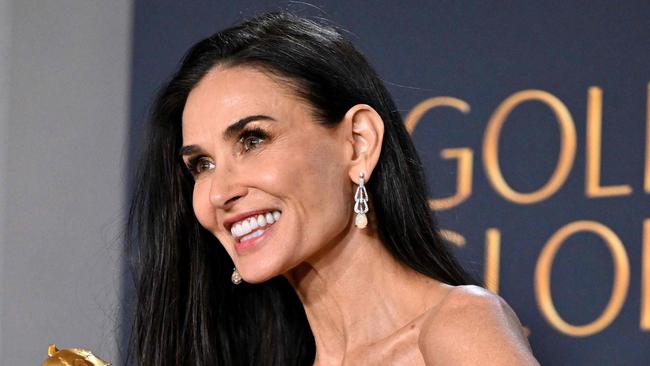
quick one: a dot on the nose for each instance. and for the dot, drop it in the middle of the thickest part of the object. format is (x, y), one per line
(226, 190)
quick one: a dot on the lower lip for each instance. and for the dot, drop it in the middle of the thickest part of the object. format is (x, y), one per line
(243, 247)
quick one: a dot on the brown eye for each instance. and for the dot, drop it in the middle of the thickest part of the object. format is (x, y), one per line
(200, 164)
(250, 139)
(203, 164)
(251, 142)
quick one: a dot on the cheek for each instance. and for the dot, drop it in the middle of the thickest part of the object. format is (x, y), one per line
(202, 207)
(317, 178)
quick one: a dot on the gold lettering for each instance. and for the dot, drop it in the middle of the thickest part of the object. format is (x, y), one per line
(453, 237)
(645, 277)
(619, 288)
(423, 107)
(593, 188)
(491, 147)
(463, 179)
(492, 254)
(464, 155)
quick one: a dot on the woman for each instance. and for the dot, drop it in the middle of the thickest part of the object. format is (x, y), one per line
(280, 218)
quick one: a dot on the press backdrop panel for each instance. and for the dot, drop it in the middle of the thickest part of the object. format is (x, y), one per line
(532, 122)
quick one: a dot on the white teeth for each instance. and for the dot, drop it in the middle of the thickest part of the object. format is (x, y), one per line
(261, 220)
(254, 234)
(236, 229)
(252, 223)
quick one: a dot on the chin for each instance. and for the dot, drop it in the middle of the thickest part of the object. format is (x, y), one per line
(270, 261)
(258, 272)
(263, 257)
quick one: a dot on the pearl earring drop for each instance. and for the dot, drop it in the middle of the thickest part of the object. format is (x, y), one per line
(235, 277)
(361, 204)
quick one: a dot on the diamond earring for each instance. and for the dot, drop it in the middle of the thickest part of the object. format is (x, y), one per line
(235, 277)
(361, 204)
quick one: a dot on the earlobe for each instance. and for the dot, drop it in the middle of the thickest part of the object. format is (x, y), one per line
(367, 136)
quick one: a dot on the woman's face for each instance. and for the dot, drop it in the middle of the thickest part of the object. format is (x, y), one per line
(281, 161)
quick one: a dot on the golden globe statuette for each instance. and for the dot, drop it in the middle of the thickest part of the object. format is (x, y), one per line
(72, 357)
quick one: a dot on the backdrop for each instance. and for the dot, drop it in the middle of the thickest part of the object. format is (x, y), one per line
(533, 122)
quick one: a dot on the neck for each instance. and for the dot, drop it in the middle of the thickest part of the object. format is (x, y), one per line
(356, 294)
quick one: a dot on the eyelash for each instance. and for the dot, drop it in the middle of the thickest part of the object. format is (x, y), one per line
(193, 164)
(256, 132)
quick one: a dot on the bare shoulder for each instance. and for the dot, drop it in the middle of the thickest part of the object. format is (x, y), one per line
(473, 326)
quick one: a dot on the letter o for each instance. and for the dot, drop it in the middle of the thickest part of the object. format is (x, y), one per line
(491, 146)
(619, 288)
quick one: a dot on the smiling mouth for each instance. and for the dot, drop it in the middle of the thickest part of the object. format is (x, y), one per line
(250, 231)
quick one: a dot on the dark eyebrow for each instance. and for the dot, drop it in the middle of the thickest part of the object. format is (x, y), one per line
(230, 132)
(189, 150)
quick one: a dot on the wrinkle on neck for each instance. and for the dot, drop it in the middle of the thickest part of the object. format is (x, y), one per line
(356, 294)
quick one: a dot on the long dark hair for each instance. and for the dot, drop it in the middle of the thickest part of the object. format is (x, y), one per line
(187, 310)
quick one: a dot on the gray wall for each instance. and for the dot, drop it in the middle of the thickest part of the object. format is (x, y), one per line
(5, 27)
(62, 160)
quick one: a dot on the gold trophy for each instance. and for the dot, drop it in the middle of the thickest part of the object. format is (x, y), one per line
(72, 357)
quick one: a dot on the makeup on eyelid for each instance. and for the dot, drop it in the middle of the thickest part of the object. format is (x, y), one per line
(193, 164)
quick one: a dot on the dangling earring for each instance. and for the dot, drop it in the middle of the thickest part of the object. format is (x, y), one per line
(361, 204)
(235, 277)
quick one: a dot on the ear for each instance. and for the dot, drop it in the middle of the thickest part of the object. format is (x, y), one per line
(367, 130)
